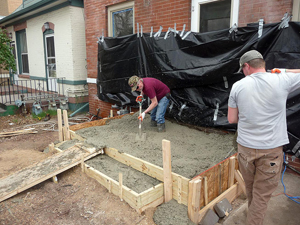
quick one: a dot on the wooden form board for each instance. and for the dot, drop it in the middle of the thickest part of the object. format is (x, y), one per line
(217, 181)
(151, 197)
(179, 193)
(39, 172)
(100, 122)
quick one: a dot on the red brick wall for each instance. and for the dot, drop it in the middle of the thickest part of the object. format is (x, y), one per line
(163, 13)
(270, 10)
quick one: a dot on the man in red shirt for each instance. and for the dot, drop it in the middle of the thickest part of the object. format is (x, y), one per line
(159, 94)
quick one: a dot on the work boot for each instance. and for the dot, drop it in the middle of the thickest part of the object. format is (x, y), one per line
(161, 127)
(153, 123)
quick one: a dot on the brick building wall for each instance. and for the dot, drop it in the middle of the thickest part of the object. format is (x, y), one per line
(8, 6)
(163, 13)
(270, 10)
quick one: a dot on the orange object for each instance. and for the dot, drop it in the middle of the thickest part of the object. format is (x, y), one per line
(139, 98)
(275, 71)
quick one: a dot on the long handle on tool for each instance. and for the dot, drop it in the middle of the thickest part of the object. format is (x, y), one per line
(140, 122)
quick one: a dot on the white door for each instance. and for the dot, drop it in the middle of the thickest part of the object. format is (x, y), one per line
(51, 65)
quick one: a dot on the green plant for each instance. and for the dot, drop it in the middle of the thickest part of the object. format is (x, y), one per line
(7, 59)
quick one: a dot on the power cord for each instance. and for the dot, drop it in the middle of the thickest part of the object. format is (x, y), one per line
(284, 192)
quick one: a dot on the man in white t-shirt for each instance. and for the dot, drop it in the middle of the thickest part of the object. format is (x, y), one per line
(257, 103)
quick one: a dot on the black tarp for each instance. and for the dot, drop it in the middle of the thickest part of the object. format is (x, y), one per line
(199, 69)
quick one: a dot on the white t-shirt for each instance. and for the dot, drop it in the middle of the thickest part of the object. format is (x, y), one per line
(261, 102)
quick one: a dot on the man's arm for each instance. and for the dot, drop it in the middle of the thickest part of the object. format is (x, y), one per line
(153, 104)
(233, 115)
(292, 70)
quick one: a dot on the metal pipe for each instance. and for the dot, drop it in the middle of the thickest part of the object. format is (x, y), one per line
(78, 110)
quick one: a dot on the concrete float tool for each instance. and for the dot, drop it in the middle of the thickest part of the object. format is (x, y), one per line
(140, 136)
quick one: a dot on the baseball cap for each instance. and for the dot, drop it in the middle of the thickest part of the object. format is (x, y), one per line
(132, 82)
(248, 56)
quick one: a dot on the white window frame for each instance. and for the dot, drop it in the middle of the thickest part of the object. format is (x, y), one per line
(296, 10)
(195, 15)
(115, 8)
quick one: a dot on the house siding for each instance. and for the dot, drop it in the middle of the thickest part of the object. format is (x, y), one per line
(163, 13)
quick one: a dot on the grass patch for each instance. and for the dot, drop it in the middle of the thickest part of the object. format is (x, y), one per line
(44, 113)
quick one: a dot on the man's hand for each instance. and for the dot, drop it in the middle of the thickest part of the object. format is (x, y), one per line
(142, 116)
(139, 99)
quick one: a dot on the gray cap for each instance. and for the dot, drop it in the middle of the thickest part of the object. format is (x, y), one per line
(248, 56)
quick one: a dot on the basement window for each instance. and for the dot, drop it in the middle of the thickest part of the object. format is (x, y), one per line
(121, 19)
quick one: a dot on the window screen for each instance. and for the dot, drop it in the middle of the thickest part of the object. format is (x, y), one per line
(215, 16)
(122, 22)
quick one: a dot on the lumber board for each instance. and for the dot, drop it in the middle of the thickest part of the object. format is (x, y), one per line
(59, 123)
(128, 195)
(151, 170)
(231, 193)
(39, 172)
(217, 178)
(151, 195)
(100, 122)
(75, 136)
(166, 146)
(153, 204)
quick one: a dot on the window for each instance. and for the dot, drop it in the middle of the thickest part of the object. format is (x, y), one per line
(22, 52)
(211, 15)
(296, 10)
(121, 19)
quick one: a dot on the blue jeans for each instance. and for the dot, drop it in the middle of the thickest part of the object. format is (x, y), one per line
(158, 113)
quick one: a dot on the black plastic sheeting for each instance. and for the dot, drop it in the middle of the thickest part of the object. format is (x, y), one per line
(200, 69)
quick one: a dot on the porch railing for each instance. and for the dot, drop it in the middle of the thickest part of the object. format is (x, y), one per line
(30, 89)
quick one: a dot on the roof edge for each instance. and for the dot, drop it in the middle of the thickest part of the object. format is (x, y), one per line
(26, 10)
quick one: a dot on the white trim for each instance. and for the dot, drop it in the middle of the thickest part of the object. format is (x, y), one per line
(118, 7)
(195, 15)
(296, 10)
(91, 80)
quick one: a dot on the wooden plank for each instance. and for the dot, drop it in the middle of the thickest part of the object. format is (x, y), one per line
(205, 191)
(151, 170)
(153, 204)
(179, 189)
(39, 172)
(220, 178)
(166, 146)
(66, 126)
(59, 123)
(194, 200)
(129, 195)
(121, 186)
(231, 171)
(238, 176)
(231, 193)
(76, 136)
(151, 195)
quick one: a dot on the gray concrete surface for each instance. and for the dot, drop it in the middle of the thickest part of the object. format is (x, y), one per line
(281, 210)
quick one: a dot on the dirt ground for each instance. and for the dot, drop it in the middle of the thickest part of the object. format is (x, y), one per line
(75, 199)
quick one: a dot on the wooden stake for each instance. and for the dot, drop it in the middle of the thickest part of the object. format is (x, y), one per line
(111, 113)
(60, 129)
(179, 189)
(82, 164)
(238, 176)
(205, 191)
(109, 186)
(231, 171)
(194, 200)
(54, 179)
(166, 146)
(220, 178)
(121, 186)
(51, 147)
(66, 125)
